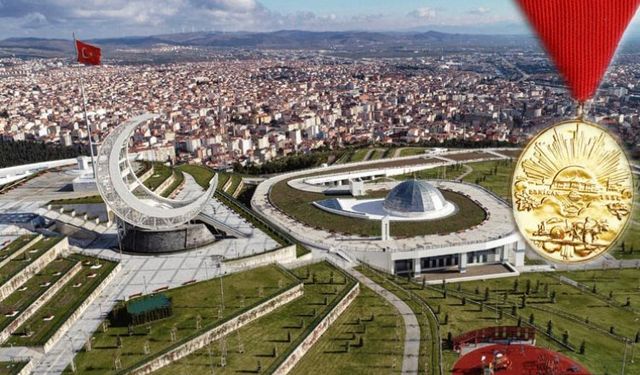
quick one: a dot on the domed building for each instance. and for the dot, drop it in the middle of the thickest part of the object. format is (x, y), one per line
(416, 199)
(411, 200)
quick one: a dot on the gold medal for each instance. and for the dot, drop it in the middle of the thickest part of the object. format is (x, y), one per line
(572, 192)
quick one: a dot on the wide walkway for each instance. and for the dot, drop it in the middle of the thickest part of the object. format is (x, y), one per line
(412, 328)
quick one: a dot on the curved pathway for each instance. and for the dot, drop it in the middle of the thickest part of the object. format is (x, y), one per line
(412, 328)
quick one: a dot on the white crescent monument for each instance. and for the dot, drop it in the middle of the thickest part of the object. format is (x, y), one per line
(116, 181)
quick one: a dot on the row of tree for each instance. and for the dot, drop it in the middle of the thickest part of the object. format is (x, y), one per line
(25, 152)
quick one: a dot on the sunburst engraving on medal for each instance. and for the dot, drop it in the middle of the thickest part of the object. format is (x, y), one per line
(572, 192)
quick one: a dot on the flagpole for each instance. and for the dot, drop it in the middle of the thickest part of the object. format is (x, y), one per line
(86, 117)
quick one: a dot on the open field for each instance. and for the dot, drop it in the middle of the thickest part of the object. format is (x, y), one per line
(11, 368)
(33, 289)
(46, 321)
(15, 245)
(579, 314)
(203, 299)
(262, 344)
(17, 264)
(298, 204)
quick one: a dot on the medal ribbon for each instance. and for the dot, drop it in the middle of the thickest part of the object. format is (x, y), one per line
(581, 36)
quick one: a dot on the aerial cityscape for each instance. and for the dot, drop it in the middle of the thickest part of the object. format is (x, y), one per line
(265, 188)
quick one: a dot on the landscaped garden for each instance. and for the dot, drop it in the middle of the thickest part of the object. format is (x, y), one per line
(412, 151)
(15, 245)
(30, 255)
(260, 346)
(593, 328)
(196, 308)
(11, 368)
(29, 292)
(494, 176)
(46, 321)
(160, 174)
(368, 338)
(299, 205)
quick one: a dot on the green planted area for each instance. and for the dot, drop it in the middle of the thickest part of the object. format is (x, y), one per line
(15, 245)
(412, 151)
(298, 204)
(28, 293)
(359, 155)
(447, 172)
(494, 176)
(34, 252)
(196, 308)
(91, 199)
(160, 174)
(430, 348)
(368, 338)
(262, 345)
(178, 179)
(592, 328)
(11, 368)
(377, 154)
(48, 319)
(203, 175)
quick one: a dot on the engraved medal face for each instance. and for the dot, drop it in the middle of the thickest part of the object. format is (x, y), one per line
(572, 192)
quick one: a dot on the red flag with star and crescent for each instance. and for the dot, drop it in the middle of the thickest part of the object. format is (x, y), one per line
(88, 54)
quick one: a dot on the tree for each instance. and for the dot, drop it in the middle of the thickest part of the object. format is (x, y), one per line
(532, 318)
(550, 328)
(582, 347)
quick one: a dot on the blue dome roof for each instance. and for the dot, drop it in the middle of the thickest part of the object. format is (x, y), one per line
(413, 197)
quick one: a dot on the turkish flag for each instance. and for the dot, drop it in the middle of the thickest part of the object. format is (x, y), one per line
(88, 54)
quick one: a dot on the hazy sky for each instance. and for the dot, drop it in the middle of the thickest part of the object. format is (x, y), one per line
(114, 18)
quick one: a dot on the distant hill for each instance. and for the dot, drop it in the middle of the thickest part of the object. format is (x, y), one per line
(284, 39)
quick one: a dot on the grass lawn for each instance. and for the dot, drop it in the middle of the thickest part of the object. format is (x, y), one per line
(11, 368)
(17, 264)
(378, 153)
(160, 174)
(235, 182)
(470, 155)
(16, 245)
(412, 151)
(359, 155)
(177, 181)
(241, 290)
(266, 341)
(44, 323)
(298, 204)
(493, 175)
(203, 175)
(382, 340)
(91, 199)
(584, 316)
(33, 289)
(448, 172)
(429, 342)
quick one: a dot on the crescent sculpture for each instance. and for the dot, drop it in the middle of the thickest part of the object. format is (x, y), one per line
(116, 181)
